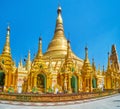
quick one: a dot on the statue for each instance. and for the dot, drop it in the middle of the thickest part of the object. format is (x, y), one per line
(40, 82)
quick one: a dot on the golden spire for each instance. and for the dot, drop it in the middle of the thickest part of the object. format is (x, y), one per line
(68, 49)
(109, 65)
(58, 45)
(113, 66)
(114, 56)
(59, 22)
(29, 55)
(6, 49)
(39, 54)
(86, 55)
(68, 64)
(57, 48)
(86, 68)
(28, 63)
(6, 53)
(93, 64)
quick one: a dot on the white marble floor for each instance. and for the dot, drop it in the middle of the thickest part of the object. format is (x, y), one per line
(106, 103)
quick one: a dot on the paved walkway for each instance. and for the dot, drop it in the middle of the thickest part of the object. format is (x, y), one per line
(111, 102)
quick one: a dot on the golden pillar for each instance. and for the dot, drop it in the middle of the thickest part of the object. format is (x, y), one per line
(84, 83)
(65, 83)
(29, 88)
(62, 80)
(6, 80)
(79, 84)
(91, 84)
(32, 81)
(87, 88)
(9, 79)
(69, 84)
(28, 81)
(35, 81)
(105, 85)
(97, 82)
(13, 82)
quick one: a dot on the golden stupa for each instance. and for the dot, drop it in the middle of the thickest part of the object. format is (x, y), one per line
(57, 49)
(58, 70)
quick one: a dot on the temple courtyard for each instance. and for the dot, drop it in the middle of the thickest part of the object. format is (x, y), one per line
(110, 102)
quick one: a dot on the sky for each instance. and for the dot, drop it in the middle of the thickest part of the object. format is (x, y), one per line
(95, 23)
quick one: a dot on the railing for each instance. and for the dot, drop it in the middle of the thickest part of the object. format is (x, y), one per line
(55, 97)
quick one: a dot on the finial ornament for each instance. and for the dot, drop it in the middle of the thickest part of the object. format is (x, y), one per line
(40, 43)
(40, 47)
(93, 63)
(68, 50)
(86, 48)
(59, 18)
(109, 66)
(40, 38)
(86, 53)
(59, 10)
(59, 21)
(8, 30)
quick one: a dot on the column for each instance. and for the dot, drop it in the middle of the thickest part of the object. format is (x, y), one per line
(9, 79)
(79, 84)
(31, 81)
(105, 86)
(5, 86)
(69, 85)
(61, 80)
(65, 83)
(84, 84)
(13, 83)
(91, 88)
(88, 84)
(111, 83)
(35, 81)
(29, 89)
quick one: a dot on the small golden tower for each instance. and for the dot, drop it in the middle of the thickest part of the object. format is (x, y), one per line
(108, 75)
(40, 54)
(87, 73)
(7, 65)
(28, 62)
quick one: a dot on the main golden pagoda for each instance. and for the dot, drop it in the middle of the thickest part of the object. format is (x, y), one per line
(58, 70)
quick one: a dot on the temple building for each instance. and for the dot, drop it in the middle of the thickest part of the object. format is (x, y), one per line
(8, 74)
(58, 70)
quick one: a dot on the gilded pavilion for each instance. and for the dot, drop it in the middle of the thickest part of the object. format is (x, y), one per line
(58, 70)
